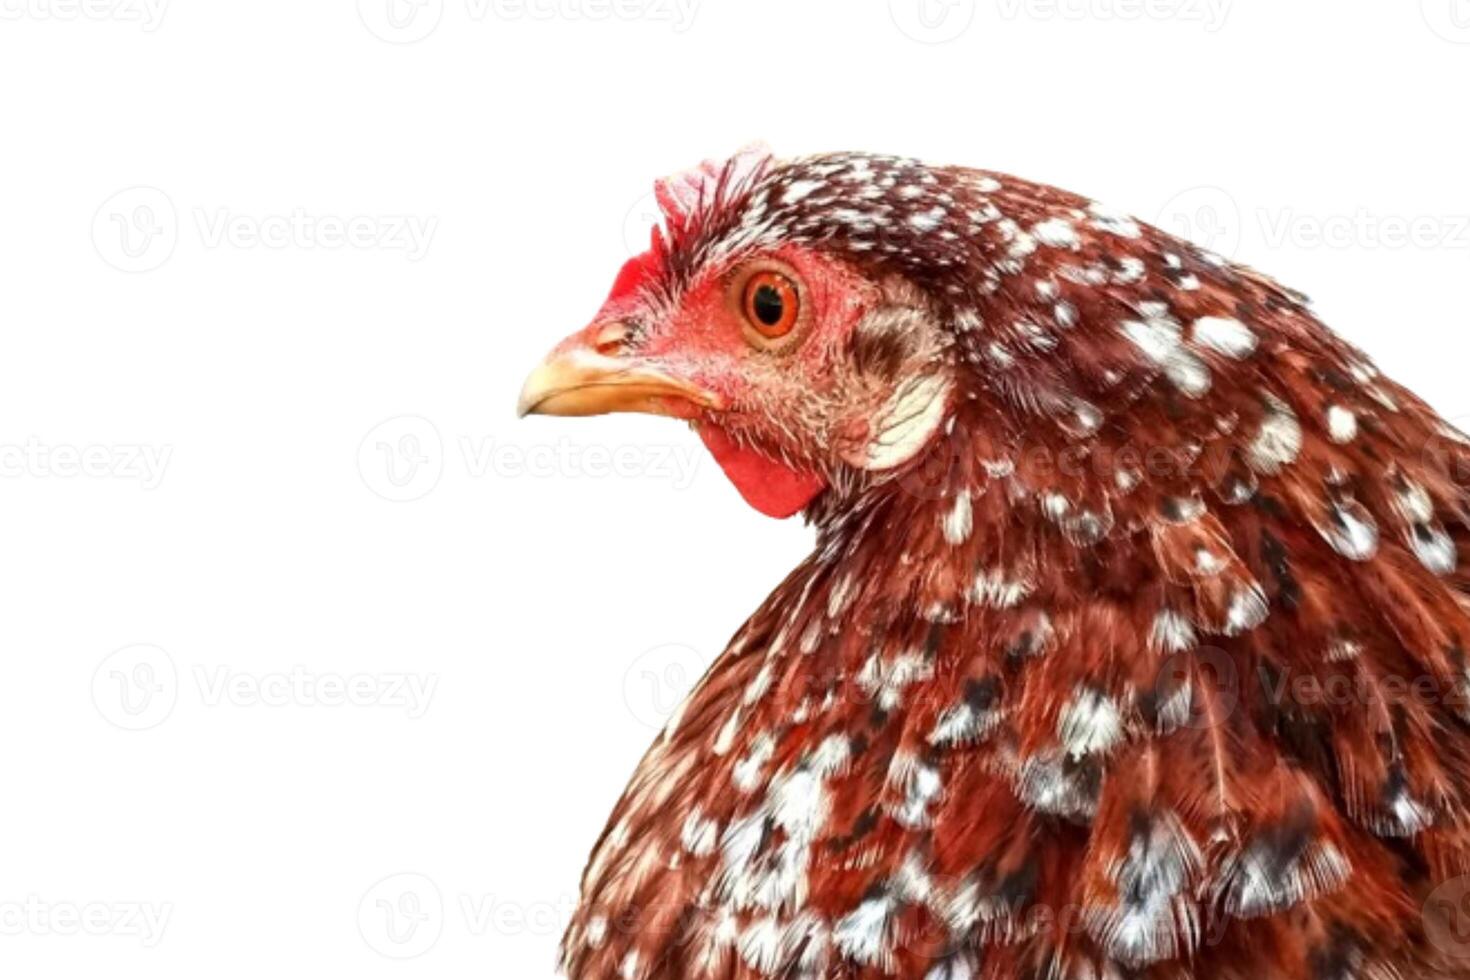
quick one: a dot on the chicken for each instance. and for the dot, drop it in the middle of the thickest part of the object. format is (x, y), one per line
(1134, 639)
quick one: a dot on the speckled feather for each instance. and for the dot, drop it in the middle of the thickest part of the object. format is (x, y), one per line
(1041, 702)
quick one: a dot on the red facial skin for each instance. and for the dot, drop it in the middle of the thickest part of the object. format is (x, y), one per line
(706, 341)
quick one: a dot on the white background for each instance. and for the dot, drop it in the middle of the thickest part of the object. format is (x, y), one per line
(249, 465)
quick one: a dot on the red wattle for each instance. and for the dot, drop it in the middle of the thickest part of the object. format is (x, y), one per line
(770, 487)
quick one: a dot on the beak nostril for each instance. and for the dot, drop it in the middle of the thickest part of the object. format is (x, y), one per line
(610, 339)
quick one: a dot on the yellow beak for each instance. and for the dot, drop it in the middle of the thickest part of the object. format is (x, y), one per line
(578, 380)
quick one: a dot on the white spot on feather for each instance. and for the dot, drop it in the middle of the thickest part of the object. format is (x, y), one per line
(885, 680)
(995, 588)
(1342, 424)
(967, 320)
(839, 597)
(920, 784)
(1225, 336)
(699, 836)
(1255, 883)
(1248, 609)
(1046, 784)
(1159, 337)
(761, 946)
(1090, 723)
(1114, 222)
(958, 967)
(742, 839)
(1434, 548)
(961, 724)
(1352, 532)
(748, 770)
(1152, 917)
(865, 935)
(925, 221)
(1172, 632)
(1130, 270)
(758, 685)
(799, 190)
(832, 756)
(1056, 233)
(1278, 442)
(1409, 816)
(1055, 506)
(726, 737)
(957, 523)
(1413, 502)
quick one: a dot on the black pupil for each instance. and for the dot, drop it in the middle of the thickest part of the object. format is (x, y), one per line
(767, 305)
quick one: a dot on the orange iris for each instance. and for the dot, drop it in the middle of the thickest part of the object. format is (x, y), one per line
(771, 304)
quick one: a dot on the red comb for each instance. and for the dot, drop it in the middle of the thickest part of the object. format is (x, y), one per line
(682, 194)
(679, 198)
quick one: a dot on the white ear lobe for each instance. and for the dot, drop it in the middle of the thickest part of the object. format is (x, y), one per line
(906, 422)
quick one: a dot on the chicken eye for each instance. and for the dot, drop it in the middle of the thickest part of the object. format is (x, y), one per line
(771, 304)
